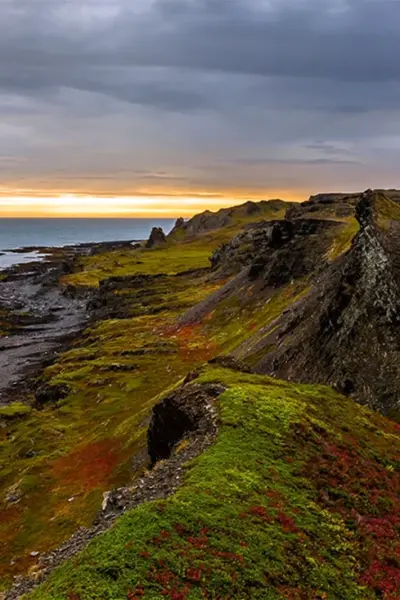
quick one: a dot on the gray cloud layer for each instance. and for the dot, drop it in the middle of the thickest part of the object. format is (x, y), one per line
(217, 94)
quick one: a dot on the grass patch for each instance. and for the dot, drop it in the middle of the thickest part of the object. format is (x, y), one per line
(17, 409)
(342, 240)
(386, 210)
(119, 263)
(254, 518)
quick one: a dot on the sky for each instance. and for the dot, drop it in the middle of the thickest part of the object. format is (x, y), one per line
(165, 107)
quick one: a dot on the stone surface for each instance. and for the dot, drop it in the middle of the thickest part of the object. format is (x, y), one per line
(346, 331)
(157, 238)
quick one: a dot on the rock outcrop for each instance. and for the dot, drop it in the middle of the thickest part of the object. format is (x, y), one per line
(332, 205)
(50, 394)
(346, 332)
(179, 226)
(286, 248)
(209, 221)
(157, 238)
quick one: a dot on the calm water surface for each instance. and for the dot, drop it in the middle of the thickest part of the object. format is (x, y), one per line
(20, 233)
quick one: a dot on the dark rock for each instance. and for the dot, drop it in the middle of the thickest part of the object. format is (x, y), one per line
(179, 225)
(119, 368)
(157, 238)
(191, 376)
(50, 394)
(278, 250)
(346, 331)
(184, 412)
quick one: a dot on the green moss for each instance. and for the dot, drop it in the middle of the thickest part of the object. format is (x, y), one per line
(249, 521)
(169, 260)
(17, 409)
(343, 239)
(386, 210)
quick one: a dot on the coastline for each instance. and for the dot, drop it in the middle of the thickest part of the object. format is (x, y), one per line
(38, 316)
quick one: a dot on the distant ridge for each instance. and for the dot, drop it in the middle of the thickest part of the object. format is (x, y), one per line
(225, 217)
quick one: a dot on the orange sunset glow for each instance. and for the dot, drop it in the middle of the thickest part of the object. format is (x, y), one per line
(85, 205)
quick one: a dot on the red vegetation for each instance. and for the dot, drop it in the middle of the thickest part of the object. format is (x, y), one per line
(365, 491)
(136, 594)
(286, 523)
(88, 467)
(193, 345)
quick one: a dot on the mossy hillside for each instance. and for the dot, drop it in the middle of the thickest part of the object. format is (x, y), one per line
(180, 254)
(233, 219)
(386, 211)
(343, 239)
(153, 295)
(115, 374)
(246, 314)
(170, 259)
(87, 444)
(272, 510)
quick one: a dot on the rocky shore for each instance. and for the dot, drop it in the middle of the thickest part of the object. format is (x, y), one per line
(39, 316)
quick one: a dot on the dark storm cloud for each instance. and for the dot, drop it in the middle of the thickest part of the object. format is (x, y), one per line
(55, 43)
(171, 82)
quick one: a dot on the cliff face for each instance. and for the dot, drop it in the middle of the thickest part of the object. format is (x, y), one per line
(287, 248)
(345, 332)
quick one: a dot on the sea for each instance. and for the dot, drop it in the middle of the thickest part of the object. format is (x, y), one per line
(35, 232)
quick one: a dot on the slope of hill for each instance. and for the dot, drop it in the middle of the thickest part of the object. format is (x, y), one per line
(298, 497)
(92, 401)
(294, 491)
(231, 218)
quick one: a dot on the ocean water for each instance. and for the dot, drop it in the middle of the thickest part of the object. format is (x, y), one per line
(22, 233)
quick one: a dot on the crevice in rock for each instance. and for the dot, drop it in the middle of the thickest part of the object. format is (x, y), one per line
(183, 413)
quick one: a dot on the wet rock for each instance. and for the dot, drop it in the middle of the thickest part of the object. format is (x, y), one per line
(157, 238)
